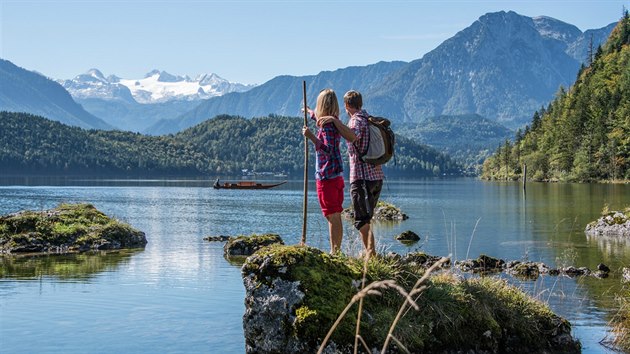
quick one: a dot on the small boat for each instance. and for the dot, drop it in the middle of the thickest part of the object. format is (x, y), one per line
(245, 185)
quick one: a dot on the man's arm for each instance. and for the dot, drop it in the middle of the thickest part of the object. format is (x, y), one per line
(344, 130)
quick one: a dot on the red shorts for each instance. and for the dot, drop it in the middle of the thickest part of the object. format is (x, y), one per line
(330, 195)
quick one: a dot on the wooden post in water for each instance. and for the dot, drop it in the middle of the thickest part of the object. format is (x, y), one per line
(524, 177)
(305, 203)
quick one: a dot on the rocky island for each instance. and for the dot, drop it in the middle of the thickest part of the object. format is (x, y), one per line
(611, 223)
(67, 228)
(294, 294)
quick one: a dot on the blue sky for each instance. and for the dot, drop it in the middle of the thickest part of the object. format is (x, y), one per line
(248, 41)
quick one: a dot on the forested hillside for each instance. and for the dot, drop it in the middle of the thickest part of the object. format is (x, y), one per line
(35, 145)
(224, 145)
(276, 144)
(584, 134)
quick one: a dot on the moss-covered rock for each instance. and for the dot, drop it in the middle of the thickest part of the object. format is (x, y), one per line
(295, 293)
(67, 228)
(383, 211)
(247, 245)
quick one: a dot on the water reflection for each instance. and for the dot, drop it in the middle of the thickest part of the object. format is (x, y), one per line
(67, 267)
(611, 247)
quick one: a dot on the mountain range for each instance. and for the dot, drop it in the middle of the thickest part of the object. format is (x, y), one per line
(155, 87)
(502, 67)
(135, 104)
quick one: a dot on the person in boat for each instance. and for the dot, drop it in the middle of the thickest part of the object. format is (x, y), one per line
(216, 184)
(329, 165)
(366, 179)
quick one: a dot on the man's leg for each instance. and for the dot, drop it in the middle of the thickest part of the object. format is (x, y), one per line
(368, 239)
(373, 191)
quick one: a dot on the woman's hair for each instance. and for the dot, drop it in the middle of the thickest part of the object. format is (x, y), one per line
(353, 99)
(327, 104)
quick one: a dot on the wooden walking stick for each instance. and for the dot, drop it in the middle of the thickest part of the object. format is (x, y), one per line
(304, 206)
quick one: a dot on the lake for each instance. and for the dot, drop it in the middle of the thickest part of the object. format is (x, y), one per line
(179, 295)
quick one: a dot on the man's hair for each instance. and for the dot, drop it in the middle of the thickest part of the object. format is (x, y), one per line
(327, 104)
(353, 99)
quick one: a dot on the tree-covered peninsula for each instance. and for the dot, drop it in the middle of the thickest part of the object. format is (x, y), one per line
(584, 134)
(223, 145)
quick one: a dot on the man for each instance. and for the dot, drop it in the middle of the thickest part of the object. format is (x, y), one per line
(366, 180)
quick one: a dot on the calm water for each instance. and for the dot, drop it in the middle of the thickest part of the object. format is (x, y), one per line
(179, 295)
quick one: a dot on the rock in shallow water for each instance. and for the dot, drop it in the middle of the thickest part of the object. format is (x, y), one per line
(615, 224)
(67, 228)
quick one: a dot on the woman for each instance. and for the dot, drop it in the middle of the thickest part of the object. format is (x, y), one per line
(329, 166)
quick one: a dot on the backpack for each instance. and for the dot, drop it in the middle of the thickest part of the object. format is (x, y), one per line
(381, 141)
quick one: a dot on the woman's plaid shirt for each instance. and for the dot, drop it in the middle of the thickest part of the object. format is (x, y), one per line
(329, 163)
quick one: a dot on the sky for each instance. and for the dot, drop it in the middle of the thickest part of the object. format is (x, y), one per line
(251, 41)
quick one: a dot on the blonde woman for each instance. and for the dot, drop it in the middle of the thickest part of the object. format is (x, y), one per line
(329, 165)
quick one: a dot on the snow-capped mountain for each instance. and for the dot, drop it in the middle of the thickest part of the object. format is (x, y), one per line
(93, 84)
(156, 87)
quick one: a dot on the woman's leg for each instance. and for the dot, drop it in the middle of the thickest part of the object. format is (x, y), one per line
(335, 230)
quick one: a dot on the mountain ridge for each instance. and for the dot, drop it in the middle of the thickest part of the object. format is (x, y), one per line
(458, 77)
(22, 90)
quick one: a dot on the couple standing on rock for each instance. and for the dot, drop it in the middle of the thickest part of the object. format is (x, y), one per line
(366, 180)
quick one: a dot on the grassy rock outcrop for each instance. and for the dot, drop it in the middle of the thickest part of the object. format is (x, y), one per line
(67, 228)
(295, 293)
(247, 245)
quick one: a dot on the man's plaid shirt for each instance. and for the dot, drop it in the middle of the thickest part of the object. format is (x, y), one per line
(358, 169)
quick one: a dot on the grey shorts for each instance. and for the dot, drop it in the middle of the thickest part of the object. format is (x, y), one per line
(364, 195)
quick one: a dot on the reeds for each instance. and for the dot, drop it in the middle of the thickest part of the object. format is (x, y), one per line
(376, 288)
(620, 323)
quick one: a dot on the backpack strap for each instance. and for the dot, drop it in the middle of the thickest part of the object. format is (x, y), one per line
(367, 147)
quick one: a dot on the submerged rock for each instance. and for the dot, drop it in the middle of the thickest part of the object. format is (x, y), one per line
(615, 223)
(67, 228)
(482, 264)
(294, 294)
(219, 238)
(408, 237)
